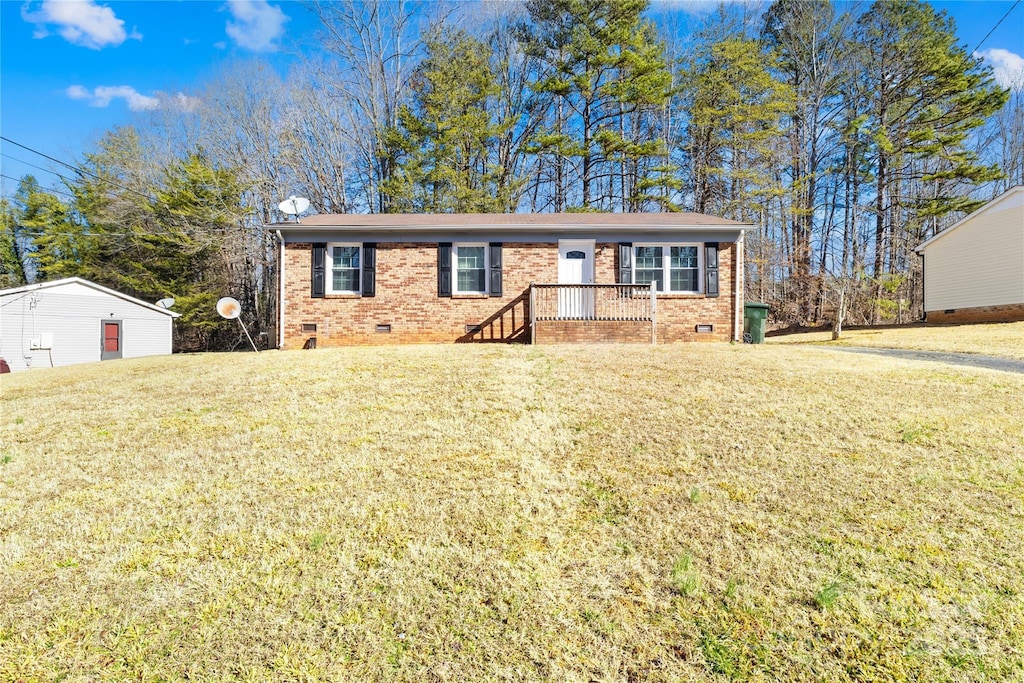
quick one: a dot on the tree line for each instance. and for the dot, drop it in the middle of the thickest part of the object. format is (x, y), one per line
(846, 137)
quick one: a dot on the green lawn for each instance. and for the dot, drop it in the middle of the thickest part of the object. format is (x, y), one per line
(462, 513)
(994, 339)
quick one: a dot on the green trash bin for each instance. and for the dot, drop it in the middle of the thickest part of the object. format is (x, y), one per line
(755, 319)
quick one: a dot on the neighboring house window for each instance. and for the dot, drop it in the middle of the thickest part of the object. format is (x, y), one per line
(679, 266)
(470, 271)
(344, 271)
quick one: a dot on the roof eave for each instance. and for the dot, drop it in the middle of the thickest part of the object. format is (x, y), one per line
(981, 209)
(548, 227)
(90, 285)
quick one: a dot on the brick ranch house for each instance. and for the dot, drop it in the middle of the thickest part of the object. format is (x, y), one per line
(541, 278)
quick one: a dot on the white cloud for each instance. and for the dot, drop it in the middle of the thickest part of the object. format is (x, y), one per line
(1007, 67)
(103, 95)
(180, 101)
(80, 22)
(257, 24)
(77, 92)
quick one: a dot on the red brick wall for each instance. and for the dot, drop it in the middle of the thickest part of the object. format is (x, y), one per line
(593, 331)
(979, 314)
(406, 298)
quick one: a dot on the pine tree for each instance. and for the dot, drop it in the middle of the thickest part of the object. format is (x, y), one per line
(735, 116)
(925, 96)
(605, 77)
(809, 39)
(59, 241)
(446, 136)
(14, 246)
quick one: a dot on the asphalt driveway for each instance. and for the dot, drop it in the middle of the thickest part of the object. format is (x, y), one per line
(968, 359)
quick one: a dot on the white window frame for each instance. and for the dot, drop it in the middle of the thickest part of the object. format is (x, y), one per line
(455, 268)
(666, 265)
(329, 268)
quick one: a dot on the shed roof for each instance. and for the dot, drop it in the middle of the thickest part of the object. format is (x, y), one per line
(1017, 191)
(409, 222)
(85, 283)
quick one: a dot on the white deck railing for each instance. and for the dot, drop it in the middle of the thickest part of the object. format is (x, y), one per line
(593, 302)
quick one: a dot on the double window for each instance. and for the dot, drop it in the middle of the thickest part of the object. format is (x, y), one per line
(470, 268)
(343, 268)
(674, 268)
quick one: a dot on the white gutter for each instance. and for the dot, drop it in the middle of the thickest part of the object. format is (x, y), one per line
(280, 296)
(740, 269)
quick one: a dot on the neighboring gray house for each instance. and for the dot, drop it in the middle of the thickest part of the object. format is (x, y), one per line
(76, 321)
(974, 270)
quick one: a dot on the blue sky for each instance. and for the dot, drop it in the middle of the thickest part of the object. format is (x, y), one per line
(71, 69)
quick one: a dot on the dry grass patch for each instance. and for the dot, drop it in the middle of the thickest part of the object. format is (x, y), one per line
(694, 512)
(990, 339)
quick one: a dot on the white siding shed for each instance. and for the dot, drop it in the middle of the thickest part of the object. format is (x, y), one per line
(974, 270)
(76, 321)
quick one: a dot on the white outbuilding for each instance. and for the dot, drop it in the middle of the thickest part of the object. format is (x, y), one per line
(974, 270)
(71, 321)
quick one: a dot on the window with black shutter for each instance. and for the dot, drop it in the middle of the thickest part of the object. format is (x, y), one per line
(495, 263)
(626, 263)
(318, 277)
(444, 269)
(711, 269)
(369, 269)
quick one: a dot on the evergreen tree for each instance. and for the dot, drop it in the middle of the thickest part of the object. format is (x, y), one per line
(191, 256)
(446, 137)
(604, 74)
(925, 96)
(14, 245)
(735, 109)
(59, 243)
(809, 40)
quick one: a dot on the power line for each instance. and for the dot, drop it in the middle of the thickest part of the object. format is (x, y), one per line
(50, 191)
(76, 169)
(18, 180)
(81, 171)
(995, 27)
(27, 163)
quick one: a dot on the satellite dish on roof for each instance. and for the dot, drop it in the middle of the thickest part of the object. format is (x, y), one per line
(229, 308)
(293, 206)
(165, 303)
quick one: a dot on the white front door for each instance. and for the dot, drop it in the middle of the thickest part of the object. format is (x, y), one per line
(575, 267)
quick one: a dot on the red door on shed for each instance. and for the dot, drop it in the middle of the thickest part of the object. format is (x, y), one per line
(111, 341)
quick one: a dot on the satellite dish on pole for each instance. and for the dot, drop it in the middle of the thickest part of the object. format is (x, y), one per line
(230, 309)
(165, 303)
(293, 206)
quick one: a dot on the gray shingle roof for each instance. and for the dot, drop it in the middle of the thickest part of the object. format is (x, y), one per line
(514, 221)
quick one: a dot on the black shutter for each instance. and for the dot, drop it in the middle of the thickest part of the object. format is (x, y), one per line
(319, 277)
(444, 269)
(625, 263)
(369, 269)
(495, 268)
(711, 268)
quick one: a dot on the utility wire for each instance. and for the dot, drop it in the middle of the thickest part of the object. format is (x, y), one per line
(18, 180)
(84, 172)
(14, 197)
(27, 163)
(48, 170)
(995, 27)
(105, 234)
(76, 169)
